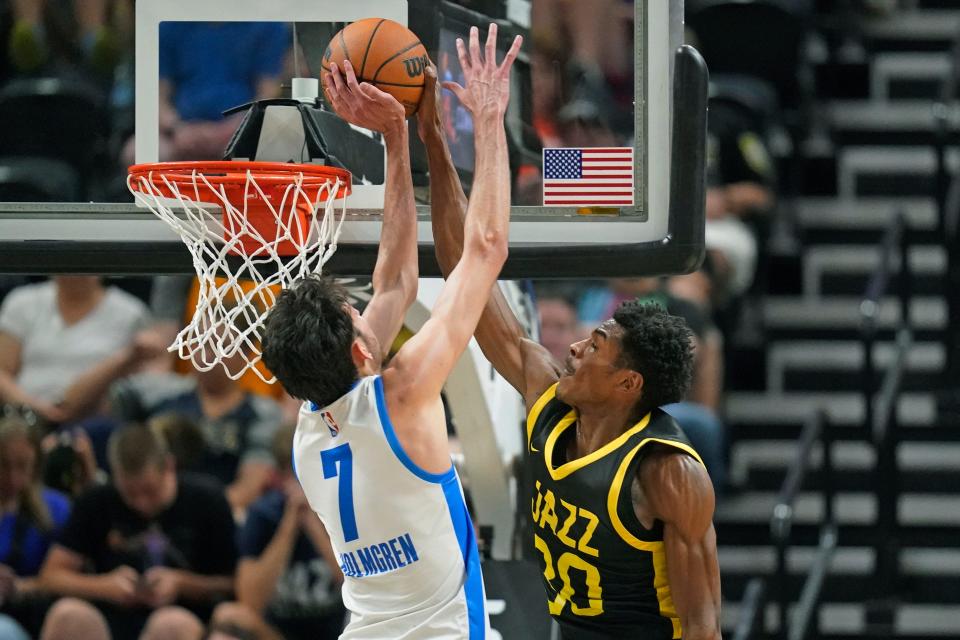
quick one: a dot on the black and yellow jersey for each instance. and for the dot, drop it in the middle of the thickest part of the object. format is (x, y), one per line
(605, 574)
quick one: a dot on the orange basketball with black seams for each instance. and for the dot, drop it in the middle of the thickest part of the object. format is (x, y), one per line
(384, 53)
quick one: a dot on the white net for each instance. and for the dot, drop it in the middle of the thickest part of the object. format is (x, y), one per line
(241, 268)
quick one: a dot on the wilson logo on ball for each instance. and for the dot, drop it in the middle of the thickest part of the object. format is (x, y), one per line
(415, 66)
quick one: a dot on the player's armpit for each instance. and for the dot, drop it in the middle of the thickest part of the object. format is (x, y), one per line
(525, 364)
(678, 492)
(540, 370)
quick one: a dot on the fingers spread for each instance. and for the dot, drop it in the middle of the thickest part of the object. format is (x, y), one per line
(351, 76)
(475, 58)
(462, 55)
(491, 52)
(455, 87)
(371, 92)
(511, 55)
(338, 82)
(331, 87)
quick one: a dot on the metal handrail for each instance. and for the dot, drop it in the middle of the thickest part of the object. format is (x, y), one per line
(895, 236)
(807, 605)
(890, 388)
(781, 522)
(753, 609)
(880, 412)
(756, 595)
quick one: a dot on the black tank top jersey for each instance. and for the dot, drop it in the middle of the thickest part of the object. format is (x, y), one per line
(604, 573)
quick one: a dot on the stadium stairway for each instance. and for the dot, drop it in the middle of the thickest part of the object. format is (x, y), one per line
(877, 161)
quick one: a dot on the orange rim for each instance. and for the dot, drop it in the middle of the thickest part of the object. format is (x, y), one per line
(234, 173)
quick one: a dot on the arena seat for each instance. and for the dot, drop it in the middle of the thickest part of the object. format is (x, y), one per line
(55, 118)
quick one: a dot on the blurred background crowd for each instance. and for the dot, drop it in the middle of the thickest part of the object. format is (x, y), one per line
(164, 494)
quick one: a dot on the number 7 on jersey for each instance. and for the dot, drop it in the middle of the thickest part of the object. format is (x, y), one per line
(330, 458)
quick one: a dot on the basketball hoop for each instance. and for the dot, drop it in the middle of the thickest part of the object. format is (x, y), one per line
(265, 230)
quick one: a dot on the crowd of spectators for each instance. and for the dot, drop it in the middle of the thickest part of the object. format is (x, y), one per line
(140, 496)
(138, 501)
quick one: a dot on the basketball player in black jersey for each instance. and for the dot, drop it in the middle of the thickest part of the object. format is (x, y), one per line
(622, 505)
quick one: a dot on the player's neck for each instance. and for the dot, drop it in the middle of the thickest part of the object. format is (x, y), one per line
(596, 426)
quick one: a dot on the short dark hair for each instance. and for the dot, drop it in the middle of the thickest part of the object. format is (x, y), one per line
(134, 447)
(307, 339)
(659, 346)
(183, 438)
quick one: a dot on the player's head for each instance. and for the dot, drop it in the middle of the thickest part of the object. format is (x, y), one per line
(642, 357)
(316, 343)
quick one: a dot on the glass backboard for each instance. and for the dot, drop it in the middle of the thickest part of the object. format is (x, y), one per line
(643, 139)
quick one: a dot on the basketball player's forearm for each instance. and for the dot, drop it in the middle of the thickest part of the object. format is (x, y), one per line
(396, 265)
(488, 211)
(695, 584)
(498, 330)
(448, 202)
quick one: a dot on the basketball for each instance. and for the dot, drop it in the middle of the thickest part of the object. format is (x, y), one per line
(384, 53)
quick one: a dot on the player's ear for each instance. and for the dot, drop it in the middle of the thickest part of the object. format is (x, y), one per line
(360, 352)
(631, 381)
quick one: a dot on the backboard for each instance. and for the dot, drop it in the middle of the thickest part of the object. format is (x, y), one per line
(649, 222)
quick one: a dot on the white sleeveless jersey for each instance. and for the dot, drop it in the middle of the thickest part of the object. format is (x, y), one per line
(403, 536)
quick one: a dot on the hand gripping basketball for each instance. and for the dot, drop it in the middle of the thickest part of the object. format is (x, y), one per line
(361, 103)
(488, 85)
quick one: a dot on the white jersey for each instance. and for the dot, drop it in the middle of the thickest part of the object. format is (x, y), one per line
(403, 536)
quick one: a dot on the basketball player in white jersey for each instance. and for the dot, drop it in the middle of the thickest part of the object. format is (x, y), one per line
(371, 445)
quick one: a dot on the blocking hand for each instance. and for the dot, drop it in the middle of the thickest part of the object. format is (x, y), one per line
(488, 85)
(361, 103)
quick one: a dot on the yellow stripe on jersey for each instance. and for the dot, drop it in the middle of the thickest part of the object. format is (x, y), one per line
(537, 407)
(614, 496)
(661, 581)
(567, 468)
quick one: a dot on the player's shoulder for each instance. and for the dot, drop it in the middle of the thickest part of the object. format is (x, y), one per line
(674, 481)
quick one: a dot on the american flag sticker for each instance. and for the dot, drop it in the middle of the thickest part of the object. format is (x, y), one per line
(598, 176)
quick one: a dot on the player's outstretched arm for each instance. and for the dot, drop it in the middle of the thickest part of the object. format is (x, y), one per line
(526, 365)
(396, 272)
(680, 494)
(419, 370)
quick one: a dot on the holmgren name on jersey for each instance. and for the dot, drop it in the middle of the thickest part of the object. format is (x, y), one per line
(379, 558)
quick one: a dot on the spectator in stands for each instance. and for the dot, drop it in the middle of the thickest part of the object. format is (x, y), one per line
(32, 518)
(288, 573)
(237, 426)
(64, 341)
(207, 68)
(70, 463)
(559, 325)
(29, 45)
(75, 619)
(150, 539)
(183, 437)
(741, 185)
(591, 43)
